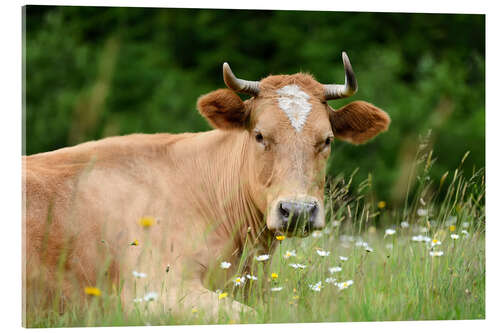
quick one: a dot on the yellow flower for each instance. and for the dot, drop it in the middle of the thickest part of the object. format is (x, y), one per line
(222, 295)
(194, 310)
(452, 228)
(147, 221)
(381, 204)
(295, 297)
(280, 237)
(135, 242)
(274, 276)
(94, 291)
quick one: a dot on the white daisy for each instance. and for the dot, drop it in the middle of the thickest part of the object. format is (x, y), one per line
(262, 257)
(454, 236)
(251, 277)
(323, 253)
(225, 265)
(151, 296)
(389, 232)
(139, 275)
(334, 269)
(316, 286)
(368, 249)
(421, 238)
(289, 254)
(344, 285)
(435, 242)
(330, 280)
(360, 243)
(238, 281)
(297, 266)
(276, 288)
(405, 224)
(343, 258)
(436, 253)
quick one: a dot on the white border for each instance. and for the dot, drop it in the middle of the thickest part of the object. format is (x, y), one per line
(10, 241)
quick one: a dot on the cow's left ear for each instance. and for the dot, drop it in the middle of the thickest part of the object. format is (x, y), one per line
(358, 122)
(223, 109)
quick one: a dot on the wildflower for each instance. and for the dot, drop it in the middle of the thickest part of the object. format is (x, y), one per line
(274, 276)
(389, 232)
(280, 237)
(316, 234)
(262, 257)
(94, 291)
(322, 253)
(222, 295)
(452, 228)
(381, 204)
(421, 238)
(276, 288)
(465, 232)
(436, 253)
(251, 277)
(135, 242)
(238, 281)
(330, 280)
(435, 242)
(225, 265)
(404, 224)
(344, 285)
(368, 249)
(422, 212)
(151, 296)
(289, 254)
(335, 269)
(343, 258)
(139, 275)
(454, 236)
(297, 266)
(361, 244)
(316, 286)
(194, 310)
(147, 221)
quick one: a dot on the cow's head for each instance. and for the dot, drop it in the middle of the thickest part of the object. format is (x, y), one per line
(290, 127)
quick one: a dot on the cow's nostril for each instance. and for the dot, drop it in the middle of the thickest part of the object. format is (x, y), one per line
(284, 211)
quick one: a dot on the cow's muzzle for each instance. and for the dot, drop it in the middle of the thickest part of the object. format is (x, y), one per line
(298, 217)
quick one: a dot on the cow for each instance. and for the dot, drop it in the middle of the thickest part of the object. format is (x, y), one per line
(151, 217)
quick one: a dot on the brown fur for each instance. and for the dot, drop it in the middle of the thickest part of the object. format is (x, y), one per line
(223, 109)
(211, 193)
(358, 122)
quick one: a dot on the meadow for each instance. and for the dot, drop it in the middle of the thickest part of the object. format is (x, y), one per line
(424, 260)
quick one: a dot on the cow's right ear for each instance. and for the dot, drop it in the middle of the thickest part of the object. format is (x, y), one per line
(223, 109)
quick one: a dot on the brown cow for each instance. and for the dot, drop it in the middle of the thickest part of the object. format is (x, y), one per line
(171, 208)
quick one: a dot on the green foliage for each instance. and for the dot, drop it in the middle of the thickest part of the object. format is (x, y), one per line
(94, 72)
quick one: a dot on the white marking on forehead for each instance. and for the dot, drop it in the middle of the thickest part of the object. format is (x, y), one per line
(294, 102)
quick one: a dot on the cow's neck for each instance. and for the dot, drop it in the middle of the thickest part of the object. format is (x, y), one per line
(222, 194)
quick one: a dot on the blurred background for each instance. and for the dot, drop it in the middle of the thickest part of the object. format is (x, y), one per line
(95, 72)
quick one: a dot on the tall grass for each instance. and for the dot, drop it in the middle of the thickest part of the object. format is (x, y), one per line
(394, 276)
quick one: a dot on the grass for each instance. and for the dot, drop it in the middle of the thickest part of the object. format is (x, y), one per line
(398, 280)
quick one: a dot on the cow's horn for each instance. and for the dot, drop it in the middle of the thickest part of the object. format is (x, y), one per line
(349, 88)
(239, 85)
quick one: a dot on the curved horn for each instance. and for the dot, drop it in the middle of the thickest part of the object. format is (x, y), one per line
(239, 85)
(349, 88)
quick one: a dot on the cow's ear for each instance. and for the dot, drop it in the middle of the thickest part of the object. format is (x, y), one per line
(358, 122)
(223, 109)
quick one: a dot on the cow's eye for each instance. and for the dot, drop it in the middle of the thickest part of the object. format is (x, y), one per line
(328, 141)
